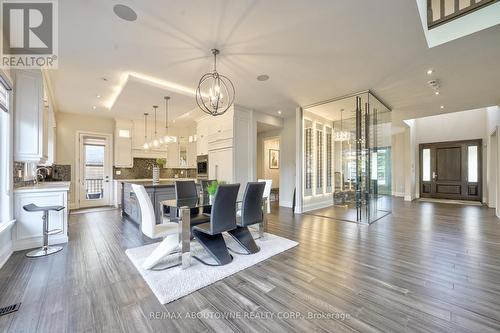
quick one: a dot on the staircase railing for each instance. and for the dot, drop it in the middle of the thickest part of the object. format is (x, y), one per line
(444, 11)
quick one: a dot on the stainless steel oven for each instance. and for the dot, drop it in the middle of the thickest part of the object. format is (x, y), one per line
(202, 166)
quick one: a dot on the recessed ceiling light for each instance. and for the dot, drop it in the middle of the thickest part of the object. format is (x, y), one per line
(430, 71)
(98, 96)
(125, 12)
(263, 77)
(279, 112)
(442, 106)
(436, 93)
(94, 107)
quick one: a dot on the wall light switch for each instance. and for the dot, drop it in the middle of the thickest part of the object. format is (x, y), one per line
(118, 172)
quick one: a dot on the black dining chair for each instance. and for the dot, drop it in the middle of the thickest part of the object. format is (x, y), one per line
(222, 219)
(250, 213)
(187, 189)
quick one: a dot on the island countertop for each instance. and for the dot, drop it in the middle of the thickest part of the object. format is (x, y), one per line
(148, 183)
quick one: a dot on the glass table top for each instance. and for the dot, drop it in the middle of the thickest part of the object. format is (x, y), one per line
(195, 202)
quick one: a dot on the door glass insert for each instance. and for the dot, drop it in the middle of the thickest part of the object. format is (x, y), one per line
(472, 164)
(426, 165)
(94, 169)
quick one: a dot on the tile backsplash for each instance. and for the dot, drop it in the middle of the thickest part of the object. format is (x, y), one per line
(143, 169)
(60, 172)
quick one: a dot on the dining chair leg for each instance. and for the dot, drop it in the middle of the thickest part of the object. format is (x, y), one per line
(215, 246)
(168, 245)
(244, 238)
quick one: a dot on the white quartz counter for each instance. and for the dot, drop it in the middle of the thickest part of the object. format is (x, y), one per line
(44, 187)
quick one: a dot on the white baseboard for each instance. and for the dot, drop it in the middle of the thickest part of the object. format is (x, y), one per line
(287, 204)
(37, 242)
(408, 198)
(316, 205)
(398, 194)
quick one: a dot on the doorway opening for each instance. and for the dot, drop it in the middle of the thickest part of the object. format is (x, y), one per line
(268, 157)
(451, 170)
(94, 169)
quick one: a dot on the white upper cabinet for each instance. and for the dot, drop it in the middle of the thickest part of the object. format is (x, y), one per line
(202, 137)
(123, 144)
(31, 117)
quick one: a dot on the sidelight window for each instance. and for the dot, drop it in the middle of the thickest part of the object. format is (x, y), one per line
(426, 165)
(472, 164)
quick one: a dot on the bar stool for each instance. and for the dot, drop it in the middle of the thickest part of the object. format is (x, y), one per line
(45, 250)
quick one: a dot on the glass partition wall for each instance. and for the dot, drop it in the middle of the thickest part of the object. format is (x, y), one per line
(347, 159)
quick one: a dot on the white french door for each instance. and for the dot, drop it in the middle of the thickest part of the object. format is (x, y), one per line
(94, 170)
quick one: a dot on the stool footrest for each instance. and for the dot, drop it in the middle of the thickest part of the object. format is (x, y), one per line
(54, 231)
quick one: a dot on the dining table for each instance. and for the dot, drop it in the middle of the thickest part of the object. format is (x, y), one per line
(180, 211)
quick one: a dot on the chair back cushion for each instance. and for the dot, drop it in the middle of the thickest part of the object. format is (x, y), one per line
(223, 216)
(267, 189)
(148, 220)
(185, 189)
(251, 209)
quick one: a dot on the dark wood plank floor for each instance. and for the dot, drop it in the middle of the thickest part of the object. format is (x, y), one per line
(427, 267)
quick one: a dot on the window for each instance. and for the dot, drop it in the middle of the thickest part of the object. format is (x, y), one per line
(319, 157)
(329, 157)
(426, 165)
(5, 162)
(472, 164)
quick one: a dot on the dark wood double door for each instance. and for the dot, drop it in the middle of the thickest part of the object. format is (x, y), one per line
(451, 170)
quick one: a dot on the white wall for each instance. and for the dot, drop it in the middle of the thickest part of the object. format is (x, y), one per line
(263, 139)
(67, 126)
(287, 161)
(269, 173)
(397, 167)
(493, 181)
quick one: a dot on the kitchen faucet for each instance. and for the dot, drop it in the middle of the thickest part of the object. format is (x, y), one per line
(38, 175)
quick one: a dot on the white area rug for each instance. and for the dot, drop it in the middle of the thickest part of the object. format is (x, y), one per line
(174, 283)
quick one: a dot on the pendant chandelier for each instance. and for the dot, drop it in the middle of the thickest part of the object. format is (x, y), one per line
(155, 142)
(146, 144)
(215, 92)
(341, 135)
(167, 138)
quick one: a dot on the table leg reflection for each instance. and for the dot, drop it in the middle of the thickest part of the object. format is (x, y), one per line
(185, 237)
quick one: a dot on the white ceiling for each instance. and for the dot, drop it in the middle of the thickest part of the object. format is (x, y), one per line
(312, 51)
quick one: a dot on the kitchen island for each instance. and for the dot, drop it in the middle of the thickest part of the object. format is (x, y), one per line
(164, 190)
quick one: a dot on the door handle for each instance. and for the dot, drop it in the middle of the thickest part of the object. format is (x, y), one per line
(434, 175)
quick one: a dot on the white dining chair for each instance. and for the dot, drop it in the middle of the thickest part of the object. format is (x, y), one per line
(267, 193)
(167, 230)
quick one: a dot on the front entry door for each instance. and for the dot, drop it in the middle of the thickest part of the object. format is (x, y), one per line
(451, 170)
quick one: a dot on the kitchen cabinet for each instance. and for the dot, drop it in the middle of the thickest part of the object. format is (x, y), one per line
(220, 127)
(138, 139)
(27, 232)
(173, 155)
(31, 117)
(192, 152)
(123, 144)
(202, 137)
(220, 164)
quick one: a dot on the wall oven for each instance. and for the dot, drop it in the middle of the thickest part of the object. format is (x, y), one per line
(202, 166)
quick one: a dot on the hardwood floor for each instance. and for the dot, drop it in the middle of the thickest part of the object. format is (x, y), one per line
(427, 267)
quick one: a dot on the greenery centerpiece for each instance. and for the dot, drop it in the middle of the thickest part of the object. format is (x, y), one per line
(211, 189)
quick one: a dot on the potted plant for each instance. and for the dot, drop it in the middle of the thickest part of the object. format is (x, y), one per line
(211, 189)
(160, 162)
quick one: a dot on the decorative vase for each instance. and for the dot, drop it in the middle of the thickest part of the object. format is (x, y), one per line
(156, 174)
